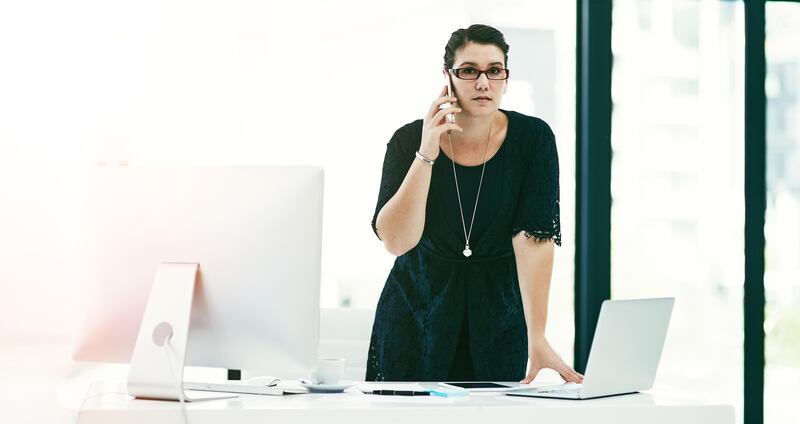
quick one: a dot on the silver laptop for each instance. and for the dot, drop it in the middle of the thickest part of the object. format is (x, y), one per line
(625, 351)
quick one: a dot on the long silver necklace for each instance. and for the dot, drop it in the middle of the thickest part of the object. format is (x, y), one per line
(467, 251)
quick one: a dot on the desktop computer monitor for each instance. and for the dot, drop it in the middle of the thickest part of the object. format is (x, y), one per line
(255, 233)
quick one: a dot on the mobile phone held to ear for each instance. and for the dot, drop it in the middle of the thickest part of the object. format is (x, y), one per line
(451, 117)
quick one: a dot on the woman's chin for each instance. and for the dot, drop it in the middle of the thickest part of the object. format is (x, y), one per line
(480, 111)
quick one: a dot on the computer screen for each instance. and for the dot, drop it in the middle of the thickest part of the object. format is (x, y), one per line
(255, 232)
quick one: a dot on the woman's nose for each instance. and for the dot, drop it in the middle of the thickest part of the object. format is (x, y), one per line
(482, 82)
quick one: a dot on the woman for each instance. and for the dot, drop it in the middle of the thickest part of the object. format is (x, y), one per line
(471, 210)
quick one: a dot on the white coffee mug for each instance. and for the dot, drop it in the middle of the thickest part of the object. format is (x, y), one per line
(328, 371)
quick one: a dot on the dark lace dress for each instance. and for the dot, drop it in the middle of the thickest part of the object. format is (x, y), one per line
(444, 316)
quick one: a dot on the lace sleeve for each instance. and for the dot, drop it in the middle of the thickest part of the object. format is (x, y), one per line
(396, 163)
(538, 210)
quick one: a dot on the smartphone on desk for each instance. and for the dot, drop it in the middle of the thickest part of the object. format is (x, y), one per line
(476, 386)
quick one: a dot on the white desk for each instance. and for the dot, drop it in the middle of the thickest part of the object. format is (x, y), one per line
(108, 406)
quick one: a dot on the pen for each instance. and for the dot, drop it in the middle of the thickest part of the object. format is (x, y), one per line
(398, 393)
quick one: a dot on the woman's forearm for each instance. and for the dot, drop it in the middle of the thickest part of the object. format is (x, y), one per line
(401, 220)
(534, 268)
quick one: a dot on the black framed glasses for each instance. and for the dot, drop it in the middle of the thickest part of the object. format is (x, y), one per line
(471, 73)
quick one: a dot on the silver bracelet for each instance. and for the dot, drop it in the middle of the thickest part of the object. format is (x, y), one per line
(423, 158)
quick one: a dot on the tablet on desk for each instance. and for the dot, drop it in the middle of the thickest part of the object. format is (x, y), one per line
(477, 386)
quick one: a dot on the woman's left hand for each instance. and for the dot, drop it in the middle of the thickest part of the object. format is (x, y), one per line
(541, 355)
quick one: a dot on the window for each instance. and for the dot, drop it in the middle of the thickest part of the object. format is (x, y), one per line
(782, 225)
(677, 185)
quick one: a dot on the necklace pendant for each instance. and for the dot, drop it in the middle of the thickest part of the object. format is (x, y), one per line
(467, 251)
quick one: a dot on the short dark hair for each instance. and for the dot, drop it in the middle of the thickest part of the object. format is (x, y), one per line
(477, 33)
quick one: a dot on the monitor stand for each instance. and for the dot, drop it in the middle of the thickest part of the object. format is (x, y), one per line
(156, 367)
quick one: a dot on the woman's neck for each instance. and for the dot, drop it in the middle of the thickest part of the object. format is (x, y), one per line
(476, 129)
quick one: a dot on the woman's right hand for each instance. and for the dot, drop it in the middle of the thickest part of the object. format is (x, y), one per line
(435, 124)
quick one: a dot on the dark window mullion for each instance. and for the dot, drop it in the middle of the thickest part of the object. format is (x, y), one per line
(755, 202)
(592, 171)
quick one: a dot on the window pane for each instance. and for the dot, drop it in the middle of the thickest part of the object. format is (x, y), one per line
(782, 274)
(677, 183)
